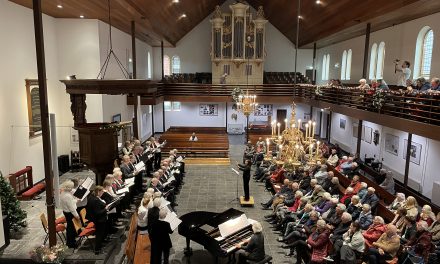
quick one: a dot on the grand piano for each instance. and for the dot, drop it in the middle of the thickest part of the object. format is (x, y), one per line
(203, 227)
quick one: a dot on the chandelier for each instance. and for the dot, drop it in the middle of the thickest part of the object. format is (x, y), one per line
(247, 103)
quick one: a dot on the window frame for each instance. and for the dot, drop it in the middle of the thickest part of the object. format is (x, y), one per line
(174, 69)
(166, 68)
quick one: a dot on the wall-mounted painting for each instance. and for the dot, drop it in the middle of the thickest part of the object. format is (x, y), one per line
(392, 144)
(264, 110)
(208, 109)
(342, 123)
(415, 151)
(116, 118)
(33, 100)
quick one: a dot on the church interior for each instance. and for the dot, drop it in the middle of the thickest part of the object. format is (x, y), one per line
(220, 131)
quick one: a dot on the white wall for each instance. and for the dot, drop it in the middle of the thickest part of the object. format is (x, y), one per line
(189, 116)
(343, 137)
(400, 43)
(18, 63)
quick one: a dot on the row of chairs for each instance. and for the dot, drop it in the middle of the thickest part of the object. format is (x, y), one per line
(284, 78)
(84, 232)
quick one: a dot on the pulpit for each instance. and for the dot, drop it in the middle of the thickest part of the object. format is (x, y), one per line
(98, 146)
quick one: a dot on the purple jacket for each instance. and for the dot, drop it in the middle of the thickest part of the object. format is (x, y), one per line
(323, 207)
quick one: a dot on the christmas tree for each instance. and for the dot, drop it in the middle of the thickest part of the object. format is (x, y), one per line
(11, 206)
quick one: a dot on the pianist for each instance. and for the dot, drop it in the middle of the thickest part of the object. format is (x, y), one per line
(253, 249)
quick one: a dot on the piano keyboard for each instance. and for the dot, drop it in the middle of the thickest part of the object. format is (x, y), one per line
(229, 243)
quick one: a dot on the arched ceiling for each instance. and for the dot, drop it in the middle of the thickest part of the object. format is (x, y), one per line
(328, 22)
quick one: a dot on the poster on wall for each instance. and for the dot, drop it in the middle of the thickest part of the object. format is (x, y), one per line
(263, 110)
(415, 151)
(33, 101)
(392, 144)
(208, 109)
(342, 123)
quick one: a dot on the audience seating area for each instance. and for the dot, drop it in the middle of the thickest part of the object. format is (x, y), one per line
(212, 141)
(284, 78)
(22, 183)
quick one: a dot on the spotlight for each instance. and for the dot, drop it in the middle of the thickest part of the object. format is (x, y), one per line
(71, 77)
(175, 1)
(60, 6)
(183, 16)
(81, 16)
(318, 2)
(130, 60)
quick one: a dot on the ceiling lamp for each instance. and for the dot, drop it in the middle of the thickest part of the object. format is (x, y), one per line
(60, 6)
(175, 1)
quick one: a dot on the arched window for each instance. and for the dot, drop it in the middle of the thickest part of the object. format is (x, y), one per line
(380, 60)
(343, 64)
(166, 65)
(324, 67)
(348, 66)
(149, 65)
(327, 67)
(373, 59)
(175, 66)
(423, 58)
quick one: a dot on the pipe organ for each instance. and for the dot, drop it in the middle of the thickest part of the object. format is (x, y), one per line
(238, 45)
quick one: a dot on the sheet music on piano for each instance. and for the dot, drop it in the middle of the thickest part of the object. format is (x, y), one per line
(229, 227)
(140, 166)
(84, 189)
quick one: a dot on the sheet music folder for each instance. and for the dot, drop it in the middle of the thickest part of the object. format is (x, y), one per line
(84, 189)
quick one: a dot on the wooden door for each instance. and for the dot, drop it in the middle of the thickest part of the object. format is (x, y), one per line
(281, 115)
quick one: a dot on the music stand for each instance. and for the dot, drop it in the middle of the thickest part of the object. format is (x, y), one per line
(237, 198)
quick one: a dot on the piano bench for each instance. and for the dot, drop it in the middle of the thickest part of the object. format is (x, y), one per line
(267, 259)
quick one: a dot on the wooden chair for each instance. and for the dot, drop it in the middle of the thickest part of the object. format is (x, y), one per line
(59, 229)
(84, 232)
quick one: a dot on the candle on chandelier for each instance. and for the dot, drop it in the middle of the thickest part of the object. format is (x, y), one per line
(317, 148)
(280, 150)
(307, 130)
(299, 124)
(311, 150)
(279, 127)
(273, 127)
(287, 123)
(313, 130)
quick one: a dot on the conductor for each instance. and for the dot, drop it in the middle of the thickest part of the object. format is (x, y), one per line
(246, 168)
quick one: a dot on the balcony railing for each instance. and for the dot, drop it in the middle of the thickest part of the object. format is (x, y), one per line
(417, 106)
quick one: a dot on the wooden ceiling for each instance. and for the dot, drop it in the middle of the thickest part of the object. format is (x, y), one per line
(326, 23)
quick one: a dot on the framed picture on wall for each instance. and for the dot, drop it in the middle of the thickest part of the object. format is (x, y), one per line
(392, 144)
(264, 110)
(414, 152)
(116, 118)
(33, 104)
(208, 109)
(368, 134)
(342, 123)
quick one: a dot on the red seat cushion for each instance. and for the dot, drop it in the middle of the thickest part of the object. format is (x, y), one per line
(91, 225)
(60, 228)
(87, 232)
(60, 220)
(34, 190)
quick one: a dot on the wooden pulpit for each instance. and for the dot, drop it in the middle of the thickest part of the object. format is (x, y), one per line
(98, 146)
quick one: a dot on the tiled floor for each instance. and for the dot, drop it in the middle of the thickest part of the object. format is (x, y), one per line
(207, 188)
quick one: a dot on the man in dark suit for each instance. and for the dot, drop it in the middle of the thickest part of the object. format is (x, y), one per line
(246, 168)
(254, 248)
(127, 168)
(97, 213)
(160, 239)
(153, 213)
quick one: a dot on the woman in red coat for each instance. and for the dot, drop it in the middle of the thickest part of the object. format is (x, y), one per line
(373, 233)
(314, 250)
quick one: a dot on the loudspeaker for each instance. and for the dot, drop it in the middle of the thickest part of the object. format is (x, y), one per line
(63, 164)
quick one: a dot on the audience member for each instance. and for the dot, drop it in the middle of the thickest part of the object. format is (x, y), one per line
(386, 247)
(375, 230)
(388, 183)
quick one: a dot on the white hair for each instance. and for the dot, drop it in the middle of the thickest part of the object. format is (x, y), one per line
(67, 185)
(257, 228)
(150, 190)
(366, 207)
(364, 185)
(341, 206)
(379, 219)
(157, 202)
(163, 213)
(346, 216)
(320, 223)
(371, 189)
(157, 195)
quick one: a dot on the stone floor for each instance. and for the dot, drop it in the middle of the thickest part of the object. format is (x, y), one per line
(207, 188)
